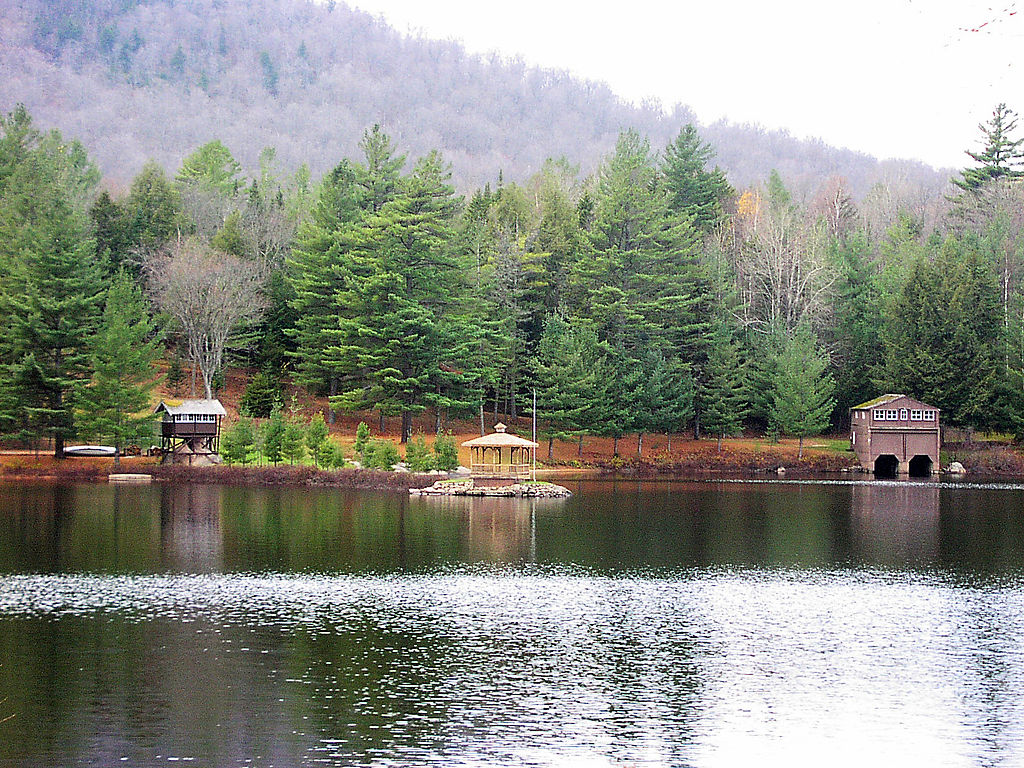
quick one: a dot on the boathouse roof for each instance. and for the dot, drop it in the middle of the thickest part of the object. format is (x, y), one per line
(499, 439)
(174, 407)
(886, 399)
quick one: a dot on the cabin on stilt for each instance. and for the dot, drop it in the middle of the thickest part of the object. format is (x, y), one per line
(190, 429)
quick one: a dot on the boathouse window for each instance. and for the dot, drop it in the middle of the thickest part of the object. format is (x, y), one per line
(915, 415)
(903, 414)
(879, 414)
(891, 415)
(929, 415)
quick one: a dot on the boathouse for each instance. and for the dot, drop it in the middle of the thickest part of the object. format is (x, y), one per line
(501, 457)
(895, 434)
(190, 428)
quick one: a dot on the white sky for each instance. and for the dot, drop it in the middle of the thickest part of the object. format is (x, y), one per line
(893, 78)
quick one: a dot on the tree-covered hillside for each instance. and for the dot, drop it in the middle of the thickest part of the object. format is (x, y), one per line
(152, 79)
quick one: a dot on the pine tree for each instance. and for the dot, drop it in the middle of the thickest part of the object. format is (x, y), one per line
(724, 395)
(671, 387)
(802, 390)
(943, 334)
(211, 168)
(261, 396)
(566, 370)
(618, 414)
(397, 304)
(1000, 157)
(111, 229)
(446, 453)
(152, 215)
(316, 270)
(316, 438)
(643, 280)
(418, 456)
(238, 443)
(273, 437)
(50, 287)
(379, 177)
(693, 189)
(362, 437)
(116, 403)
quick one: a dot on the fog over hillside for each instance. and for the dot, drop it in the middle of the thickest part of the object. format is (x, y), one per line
(141, 79)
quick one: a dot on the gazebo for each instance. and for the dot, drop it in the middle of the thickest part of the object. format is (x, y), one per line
(501, 456)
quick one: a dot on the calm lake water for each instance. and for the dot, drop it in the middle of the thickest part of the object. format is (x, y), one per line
(636, 624)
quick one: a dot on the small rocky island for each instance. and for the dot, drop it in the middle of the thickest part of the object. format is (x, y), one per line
(501, 464)
(526, 489)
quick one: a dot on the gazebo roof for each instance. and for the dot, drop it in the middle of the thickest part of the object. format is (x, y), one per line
(499, 439)
(174, 407)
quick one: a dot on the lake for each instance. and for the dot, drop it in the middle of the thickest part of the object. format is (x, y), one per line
(636, 624)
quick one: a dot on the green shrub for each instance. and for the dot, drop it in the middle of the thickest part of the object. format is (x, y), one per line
(273, 437)
(446, 453)
(362, 435)
(293, 444)
(316, 438)
(418, 456)
(238, 444)
(334, 455)
(380, 454)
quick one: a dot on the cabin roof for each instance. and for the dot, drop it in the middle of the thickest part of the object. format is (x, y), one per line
(886, 399)
(174, 407)
(499, 439)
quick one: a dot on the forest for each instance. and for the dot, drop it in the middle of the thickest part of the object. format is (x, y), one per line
(648, 296)
(137, 80)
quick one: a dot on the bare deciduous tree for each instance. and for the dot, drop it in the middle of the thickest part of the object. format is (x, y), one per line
(208, 294)
(785, 275)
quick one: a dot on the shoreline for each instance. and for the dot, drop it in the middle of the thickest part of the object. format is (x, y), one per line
(298, 476)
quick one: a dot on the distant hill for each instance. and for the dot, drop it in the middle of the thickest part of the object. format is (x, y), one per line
(141, 79)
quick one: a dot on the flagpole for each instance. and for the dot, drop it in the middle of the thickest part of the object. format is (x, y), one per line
(535, 434)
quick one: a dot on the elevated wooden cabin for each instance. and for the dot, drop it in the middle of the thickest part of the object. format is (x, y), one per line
(190, 426)
(896, 434)
(501, 456)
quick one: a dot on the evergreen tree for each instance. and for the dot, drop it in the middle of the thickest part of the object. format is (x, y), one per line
(618, 414)
(261, 396)
(273, 437)
(50, 288)
(693, 189)
(643, 280)
(943, 334)
(446, 453)
(293, 445)
(316, 270)
(362, 437)
(239, 441)
(111, 229)
(396, 308)
(378, 178)
(802, 391)
(1001, 155)
(116, 404)
(724, 395)
(672, 395)
(152, 215)
(567, 372)
(316, 438)
(418, 455)
(857, 327)
(211, 168)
